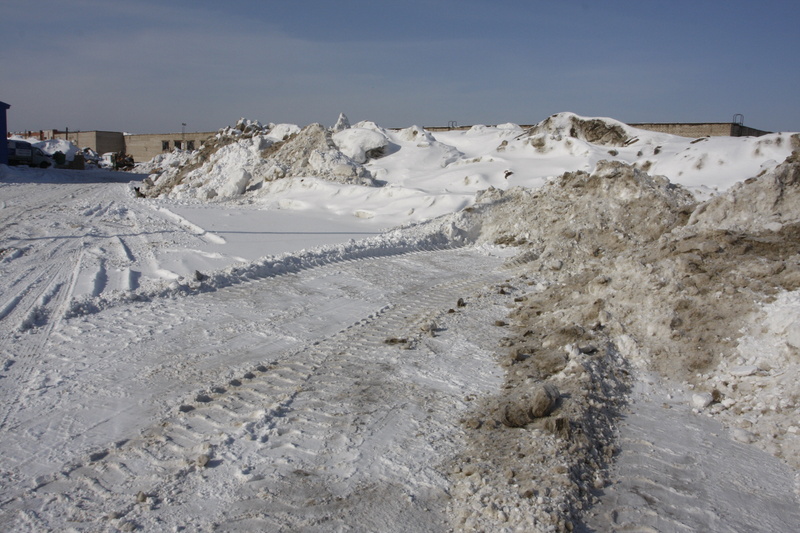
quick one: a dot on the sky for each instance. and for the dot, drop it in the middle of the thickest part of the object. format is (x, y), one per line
(149, 66)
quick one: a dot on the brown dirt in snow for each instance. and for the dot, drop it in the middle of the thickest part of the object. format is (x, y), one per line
(596, 131)
(620, 269)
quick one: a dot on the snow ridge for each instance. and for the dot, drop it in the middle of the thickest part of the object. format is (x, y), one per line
(436, 235)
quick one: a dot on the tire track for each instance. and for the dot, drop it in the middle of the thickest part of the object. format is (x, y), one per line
(673, 475)
(33, 281)
(290, 418)
(41, 316)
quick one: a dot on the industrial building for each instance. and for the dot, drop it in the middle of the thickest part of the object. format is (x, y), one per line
(141, 147)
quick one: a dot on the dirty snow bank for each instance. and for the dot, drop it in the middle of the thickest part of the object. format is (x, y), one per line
(755, 229)
(616, 280)
(538, 472)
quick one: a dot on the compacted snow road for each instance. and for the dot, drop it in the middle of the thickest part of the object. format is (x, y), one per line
(235, 407)
(327, 396)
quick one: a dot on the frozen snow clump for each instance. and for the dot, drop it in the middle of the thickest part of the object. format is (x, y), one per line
(341, 124)
(361, 144)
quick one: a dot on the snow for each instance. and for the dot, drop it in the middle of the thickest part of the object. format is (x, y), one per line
(356, 143)
(52, 146)
(311, 329)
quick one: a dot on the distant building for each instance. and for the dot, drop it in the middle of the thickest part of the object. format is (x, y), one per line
(684, 129)
(99, 141)
(144, 147)
(141, 147)
(701, 129)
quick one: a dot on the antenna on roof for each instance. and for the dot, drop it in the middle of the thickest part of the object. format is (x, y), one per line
(738, 118)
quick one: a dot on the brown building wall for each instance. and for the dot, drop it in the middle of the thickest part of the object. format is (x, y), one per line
(141, 147)
(99, 141)
(145, 147)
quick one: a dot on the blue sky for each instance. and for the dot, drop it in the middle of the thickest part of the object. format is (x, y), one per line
(147, 66)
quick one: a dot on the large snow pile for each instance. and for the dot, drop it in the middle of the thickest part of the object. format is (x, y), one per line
(422, 174)
(241, 159)
(619, 276)
(51, 146)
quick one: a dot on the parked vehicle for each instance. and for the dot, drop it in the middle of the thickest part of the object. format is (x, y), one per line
(23, 153)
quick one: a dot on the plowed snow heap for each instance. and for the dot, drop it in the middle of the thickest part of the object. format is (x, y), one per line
(626, 270)
(242, 158)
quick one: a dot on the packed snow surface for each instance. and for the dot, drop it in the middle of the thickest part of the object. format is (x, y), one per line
(578, 326)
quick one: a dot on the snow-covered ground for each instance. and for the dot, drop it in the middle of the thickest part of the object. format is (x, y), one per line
(350, 329)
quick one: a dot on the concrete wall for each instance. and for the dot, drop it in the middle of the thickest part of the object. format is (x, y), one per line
(738, 130)
(99, 141)
(693, 130)
(109, 141)
(705, 129)
(145, 147)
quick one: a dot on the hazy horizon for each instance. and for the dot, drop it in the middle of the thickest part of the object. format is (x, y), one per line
(145, 67)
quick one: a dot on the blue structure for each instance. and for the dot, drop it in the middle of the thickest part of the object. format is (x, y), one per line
(4, 128)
